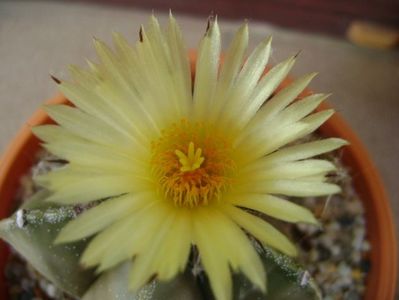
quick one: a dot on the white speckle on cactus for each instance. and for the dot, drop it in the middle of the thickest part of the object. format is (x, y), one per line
(20, 218)
(305, 278)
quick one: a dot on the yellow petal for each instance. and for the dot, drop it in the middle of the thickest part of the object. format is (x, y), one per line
(300, 151)
(228, 72)
(245, 83)
(266, 86)
(100, 217)
(214, 262)
(261, 230)
(89, 102)
(173, 236)
(145, 264)
(115, 234)
(176, 247)
(74, 190)
(173, 77)
(86, 126)
(150, 219)
(266, 141)
(299, 109)
(179, 61)
(77, 150)
(317, 119)
(244, 258)
(275, 105)
(54, 134)
(206, 70)
(288, 170)
(285, 97)
(297, 188)
(275, 207)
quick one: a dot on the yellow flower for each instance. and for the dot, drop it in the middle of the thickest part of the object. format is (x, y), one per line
(184, 162)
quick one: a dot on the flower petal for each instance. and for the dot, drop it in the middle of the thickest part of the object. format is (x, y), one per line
(301, 151)
(275, 207)
(265, 141)
(164, 72)
(145, 264)
(301, 108)
(285, 97)
(77, 150)
(99, 217)
(86, 126)
(261, 230)
(179, 61)
(288, 170)
(214, 262)
(297, 188)
(266, 86)
(72, 185)
(228, 71)
(317, 119)
(244, 258)
(99, 246)
(275, 105)
(206, 70)
(176, 247)
(245, 83)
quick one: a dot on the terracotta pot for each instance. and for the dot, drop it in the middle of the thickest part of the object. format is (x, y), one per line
(381, 280)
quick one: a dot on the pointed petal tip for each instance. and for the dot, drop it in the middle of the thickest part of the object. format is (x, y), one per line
(293, 251)
(266, 42)
(86, 265)
(55, 79)
(87, 262)
(339, 142)
(312, 220)
(100, 269)
(96, 41)
(48, 108)
(212, 24)
(60, 239)
(260, 281)
(309, 77)
(290, 61)
(36, 129)
(336, 189)
(51, 199)
(117, 37)
(297, 54)
(141, 31)
(328, 112)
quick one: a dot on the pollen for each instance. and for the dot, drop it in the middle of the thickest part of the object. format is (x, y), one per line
(193, 164)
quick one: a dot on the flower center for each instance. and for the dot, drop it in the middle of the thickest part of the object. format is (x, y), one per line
(192, 163)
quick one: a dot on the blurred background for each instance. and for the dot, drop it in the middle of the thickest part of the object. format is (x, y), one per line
(351, 43)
